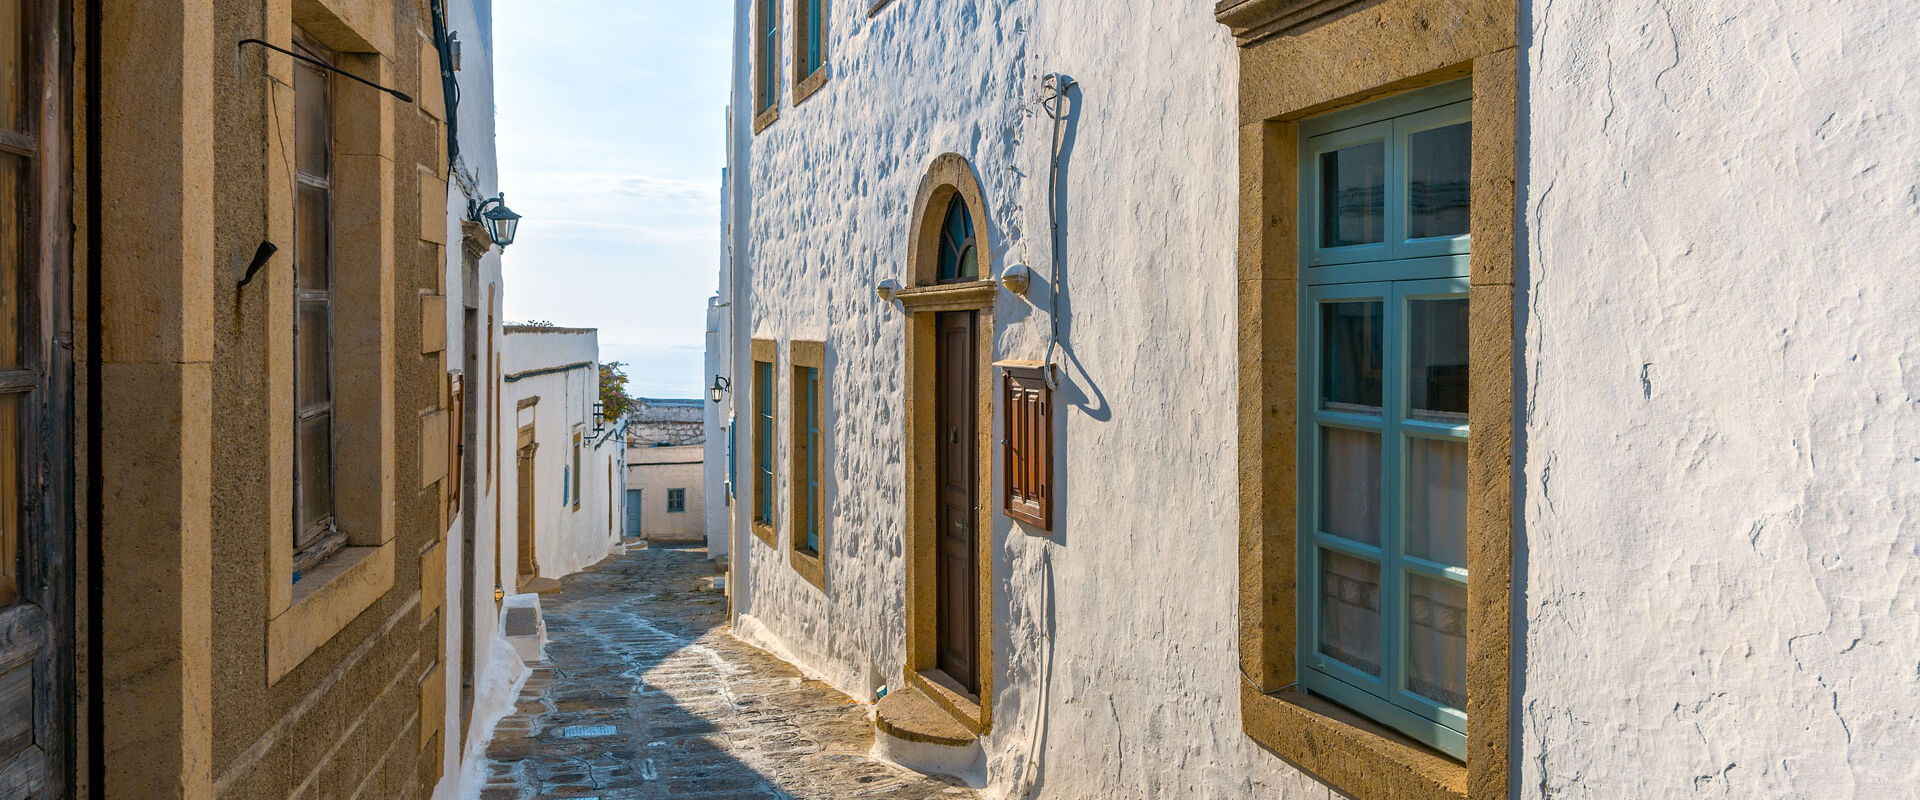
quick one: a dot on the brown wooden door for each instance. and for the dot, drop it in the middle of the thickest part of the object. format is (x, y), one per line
(956, 385)
(36, 414)
(524, 471)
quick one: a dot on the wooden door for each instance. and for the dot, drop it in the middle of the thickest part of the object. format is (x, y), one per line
(36, 417)
(524, 471)
(956, 415)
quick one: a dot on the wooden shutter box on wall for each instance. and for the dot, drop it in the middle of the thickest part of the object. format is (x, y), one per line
(1027, 445)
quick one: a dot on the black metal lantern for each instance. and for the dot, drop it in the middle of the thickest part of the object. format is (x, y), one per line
(718, 390)
(500, 221)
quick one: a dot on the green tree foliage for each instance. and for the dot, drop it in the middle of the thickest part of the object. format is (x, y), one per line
(614, 401)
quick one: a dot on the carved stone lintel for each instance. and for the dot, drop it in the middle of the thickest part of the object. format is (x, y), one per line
(1254, 20)
(474, 241)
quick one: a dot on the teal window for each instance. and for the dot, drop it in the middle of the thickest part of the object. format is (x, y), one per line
(813, 14)
(959, 258)
(676, 501)
(767, 88)
(807, 511)
(763, 442)
(1383, 441)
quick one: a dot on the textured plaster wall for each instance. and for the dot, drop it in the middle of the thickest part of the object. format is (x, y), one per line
(1721, 557)
(566, 539)
(713, 478)
(655, 470)
(1115, 634)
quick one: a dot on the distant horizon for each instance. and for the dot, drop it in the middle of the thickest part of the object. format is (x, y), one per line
(615, 163)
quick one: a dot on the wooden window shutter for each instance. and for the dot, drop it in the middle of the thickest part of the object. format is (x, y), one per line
(1027, 445)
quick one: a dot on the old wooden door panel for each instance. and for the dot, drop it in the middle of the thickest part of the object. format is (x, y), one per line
(958, 470)
(524, 471)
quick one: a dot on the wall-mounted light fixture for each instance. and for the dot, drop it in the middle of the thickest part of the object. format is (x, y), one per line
(719, 389)
(599, 417)
(500, 221)
(887, 289)
(1017, 279)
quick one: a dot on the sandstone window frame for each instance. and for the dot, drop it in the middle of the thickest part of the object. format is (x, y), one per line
(303, 616)
(313, 261)
(766, 419)
(806, 464)
(766, 72)
(812, 37)
(1302, 59)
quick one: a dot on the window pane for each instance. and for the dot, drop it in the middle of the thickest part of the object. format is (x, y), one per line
(959, 258)
(1351, 335)
(1437, 500)
(1437, 640)
(314, 361)
(1437, 360)
(13, 170)
(314, 445)
(310, 226)
(1350, 611)
(311, 118)
(1437, 181)
(1350, 484)
(9, 498)
(1353, 195)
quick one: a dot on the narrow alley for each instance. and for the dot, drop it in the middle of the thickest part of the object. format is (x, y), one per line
(644, 694)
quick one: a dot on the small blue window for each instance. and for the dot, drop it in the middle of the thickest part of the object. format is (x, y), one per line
(816, 35)
(959, 258)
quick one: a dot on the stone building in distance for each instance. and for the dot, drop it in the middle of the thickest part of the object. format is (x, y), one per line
(665, 459)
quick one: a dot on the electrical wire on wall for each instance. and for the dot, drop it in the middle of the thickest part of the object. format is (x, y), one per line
(1053, 100)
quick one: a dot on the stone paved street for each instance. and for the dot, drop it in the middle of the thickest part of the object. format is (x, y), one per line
(646, 695)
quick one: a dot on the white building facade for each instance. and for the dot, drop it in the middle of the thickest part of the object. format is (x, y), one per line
(1268, 397)
(566, 501)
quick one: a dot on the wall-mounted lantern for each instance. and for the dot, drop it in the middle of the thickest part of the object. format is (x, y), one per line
(500, 221)
(599, 417)
(719, 389)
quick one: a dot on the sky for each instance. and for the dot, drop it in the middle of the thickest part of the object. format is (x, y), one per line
(611, 120)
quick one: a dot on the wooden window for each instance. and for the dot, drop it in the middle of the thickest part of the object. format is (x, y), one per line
(315, 534)
(1383, 436)
(806, 459)
(767, 49)
(1027, 445)
(810, 17)
(456, 439)
(763, 443)
(676, 501)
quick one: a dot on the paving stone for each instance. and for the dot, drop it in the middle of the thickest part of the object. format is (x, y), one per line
(647, 696)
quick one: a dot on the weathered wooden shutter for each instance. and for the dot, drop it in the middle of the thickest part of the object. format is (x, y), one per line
(1027, 444)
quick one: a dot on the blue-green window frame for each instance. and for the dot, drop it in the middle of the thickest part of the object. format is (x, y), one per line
(816, 36)
(807, 414)
(763, 434)
(1394, 272)
(768, 33)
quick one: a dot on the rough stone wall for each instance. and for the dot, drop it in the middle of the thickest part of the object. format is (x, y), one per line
(1115, 634)
(1721, 549)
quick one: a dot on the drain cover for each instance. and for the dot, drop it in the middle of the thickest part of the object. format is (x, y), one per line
(586, 731)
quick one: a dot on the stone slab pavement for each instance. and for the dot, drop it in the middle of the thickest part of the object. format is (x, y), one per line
(645, 694)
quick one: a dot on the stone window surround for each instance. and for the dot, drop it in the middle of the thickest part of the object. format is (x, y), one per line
(302, 617)
(764, 351)
(811, 566)
(948, 175)
(1301, 59)
(804, 86)
(766, 111)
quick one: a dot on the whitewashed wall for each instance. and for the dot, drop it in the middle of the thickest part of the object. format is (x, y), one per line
(655, 471)
(713, 478)
(566, 539)
(1115, 639)
(1721, 558)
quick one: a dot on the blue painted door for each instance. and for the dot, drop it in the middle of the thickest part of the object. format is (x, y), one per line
(633, 512)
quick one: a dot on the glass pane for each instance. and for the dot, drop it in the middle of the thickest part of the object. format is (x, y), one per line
(1437, 360)
(9, 498)
(313, 356)
(13, 170)
(311, 118)
(1353, 372)
(1437, 181)
(1350, 611)
(1437, 640)
(314, 481)
(1353, 196)
(958, 257)
(1350, 484)
(14, 74)
(310, 226)
(1437, 500)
